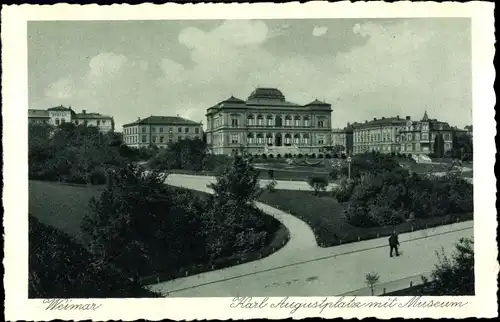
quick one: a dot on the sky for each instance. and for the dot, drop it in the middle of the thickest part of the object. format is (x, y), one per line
(364, 68)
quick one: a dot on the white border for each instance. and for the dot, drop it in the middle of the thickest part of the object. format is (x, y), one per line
(14, 113)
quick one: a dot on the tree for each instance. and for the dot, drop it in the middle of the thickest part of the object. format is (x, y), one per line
(439, 145)
(238, 182)
(371, 279)
(318, 183)
(140, 224)
(453, 276)
(61, 268)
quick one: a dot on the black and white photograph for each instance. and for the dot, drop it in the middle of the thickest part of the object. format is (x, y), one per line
(255, 160)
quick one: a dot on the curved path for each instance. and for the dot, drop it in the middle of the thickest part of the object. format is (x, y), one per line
(301, 268)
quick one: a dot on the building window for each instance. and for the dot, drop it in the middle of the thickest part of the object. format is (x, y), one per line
(296, 139)
(250, 120)
(234, 121)
(260, 120)
(196, 130)
(153, 129)
(143, 139)
(154, 138)
(306, 121)
(260, 138)
(288, 139)
(179, 130)
(297, 121)
(321, 139)
(161, 139)
(425, 136)
(143, 129)
(269, 138)
(57, 122)
(103, 122)
(305, 138)
(321, 123)
(234, 138)
(408, 147)
(161, 130)
(76, 122)
(269, 120)
(186, 130)
(98, 122)
(288, 120)
(250, 138)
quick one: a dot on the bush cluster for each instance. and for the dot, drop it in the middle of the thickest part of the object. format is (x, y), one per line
(391, 197)
(70, 153)
(145, 227)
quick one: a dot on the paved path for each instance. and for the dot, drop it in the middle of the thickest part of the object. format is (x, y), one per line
(302, 268)
(200, 182)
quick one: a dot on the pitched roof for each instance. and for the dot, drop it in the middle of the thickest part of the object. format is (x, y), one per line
(91, 116)
(38, 113)
(163, 120)
(232, 99)
(426, 117)
(317, 102)
(267, 93)
(60, 108)
(396, 120)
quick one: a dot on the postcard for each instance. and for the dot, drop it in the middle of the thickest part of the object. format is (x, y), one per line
(239, 161)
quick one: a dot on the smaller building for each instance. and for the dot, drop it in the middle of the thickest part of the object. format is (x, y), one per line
(58, 115)
(103, 122)
(38, 116)
(160, 131)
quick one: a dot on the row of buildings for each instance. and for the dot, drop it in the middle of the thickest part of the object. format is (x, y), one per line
(60, 114)
(267, 123)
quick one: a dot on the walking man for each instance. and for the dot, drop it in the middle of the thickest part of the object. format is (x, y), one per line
(394, 243)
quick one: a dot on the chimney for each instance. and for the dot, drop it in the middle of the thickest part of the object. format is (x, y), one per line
(383, 117)
(397, 117)
(138, 118)
(177, 115)
(408, 118)
(366, 121)
(84, 111)
(70, 107)
(374, 118)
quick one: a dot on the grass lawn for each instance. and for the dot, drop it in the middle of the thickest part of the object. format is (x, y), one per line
(324, 215)
(62, 206)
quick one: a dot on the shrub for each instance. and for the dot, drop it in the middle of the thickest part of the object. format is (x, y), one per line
(328, 156)
(343, 156)
(306, 155)
(264, 156)
(410, 156)
(271, 186)
(320, 156)
(318, 183)
(97, 177)
(344, 191)
(278, 156)
(300, 155)
(76, 177)
(313, 156)
(271, 156)
(334, 174)
(335, 156)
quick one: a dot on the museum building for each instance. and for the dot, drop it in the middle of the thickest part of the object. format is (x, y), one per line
(266, 123)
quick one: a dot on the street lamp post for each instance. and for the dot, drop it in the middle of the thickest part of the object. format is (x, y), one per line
(349, 168)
